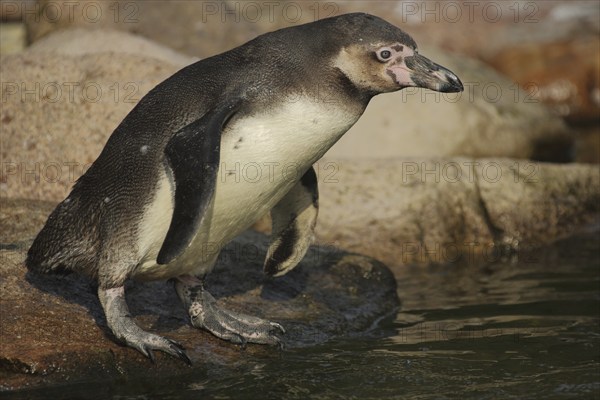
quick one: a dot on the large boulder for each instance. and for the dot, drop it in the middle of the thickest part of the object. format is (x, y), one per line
(53, 329)
(62, 99)
(446, 211)
(59, 110)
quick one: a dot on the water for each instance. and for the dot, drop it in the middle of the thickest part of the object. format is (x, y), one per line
(526, 328)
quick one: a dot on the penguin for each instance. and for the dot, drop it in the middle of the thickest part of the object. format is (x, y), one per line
(208, 152)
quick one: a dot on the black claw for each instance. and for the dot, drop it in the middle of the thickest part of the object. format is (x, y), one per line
(179, 351)
(278, 341)
(150, 355)
(175, 349)
(178, 345)
(183, 356)
(275, 328)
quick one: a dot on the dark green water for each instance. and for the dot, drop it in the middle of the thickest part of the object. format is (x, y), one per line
(525, 328)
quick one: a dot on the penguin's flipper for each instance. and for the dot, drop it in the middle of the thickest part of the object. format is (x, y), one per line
(294, 219)
(193, 154)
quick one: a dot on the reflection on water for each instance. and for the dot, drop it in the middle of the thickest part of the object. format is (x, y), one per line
(525, 328)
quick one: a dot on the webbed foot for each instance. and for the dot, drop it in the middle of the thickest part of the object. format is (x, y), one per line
(125, 329)
(228, 325)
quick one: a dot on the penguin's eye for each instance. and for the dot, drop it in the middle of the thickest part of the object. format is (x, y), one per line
(384, 55)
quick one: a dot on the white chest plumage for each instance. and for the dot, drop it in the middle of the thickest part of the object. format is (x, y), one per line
(262, 157)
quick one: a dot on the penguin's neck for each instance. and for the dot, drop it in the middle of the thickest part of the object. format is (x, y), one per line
(305, 126)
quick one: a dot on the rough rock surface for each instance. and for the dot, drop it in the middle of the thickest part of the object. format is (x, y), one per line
(53, 330)
(452, 210)
(59, 110)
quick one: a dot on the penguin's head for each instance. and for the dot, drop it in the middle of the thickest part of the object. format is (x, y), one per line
(379, 57)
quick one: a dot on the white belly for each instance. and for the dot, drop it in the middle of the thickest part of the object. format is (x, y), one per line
(262, 158)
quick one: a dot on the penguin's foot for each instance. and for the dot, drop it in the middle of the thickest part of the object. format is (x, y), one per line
(125, 329)
(228, 325)
(234, 327)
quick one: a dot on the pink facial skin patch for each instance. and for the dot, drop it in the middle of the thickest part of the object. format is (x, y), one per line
(397, 69)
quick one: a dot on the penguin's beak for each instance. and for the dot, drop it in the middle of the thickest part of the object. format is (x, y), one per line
(425, 73)
(418, 71)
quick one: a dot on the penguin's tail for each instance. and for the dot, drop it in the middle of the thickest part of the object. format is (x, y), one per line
(44, 258)
(62, 246)
(42, 266)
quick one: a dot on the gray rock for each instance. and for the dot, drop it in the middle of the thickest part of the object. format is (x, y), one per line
(446, 211)
(58, 111)
(532, 204)
(53, 329)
